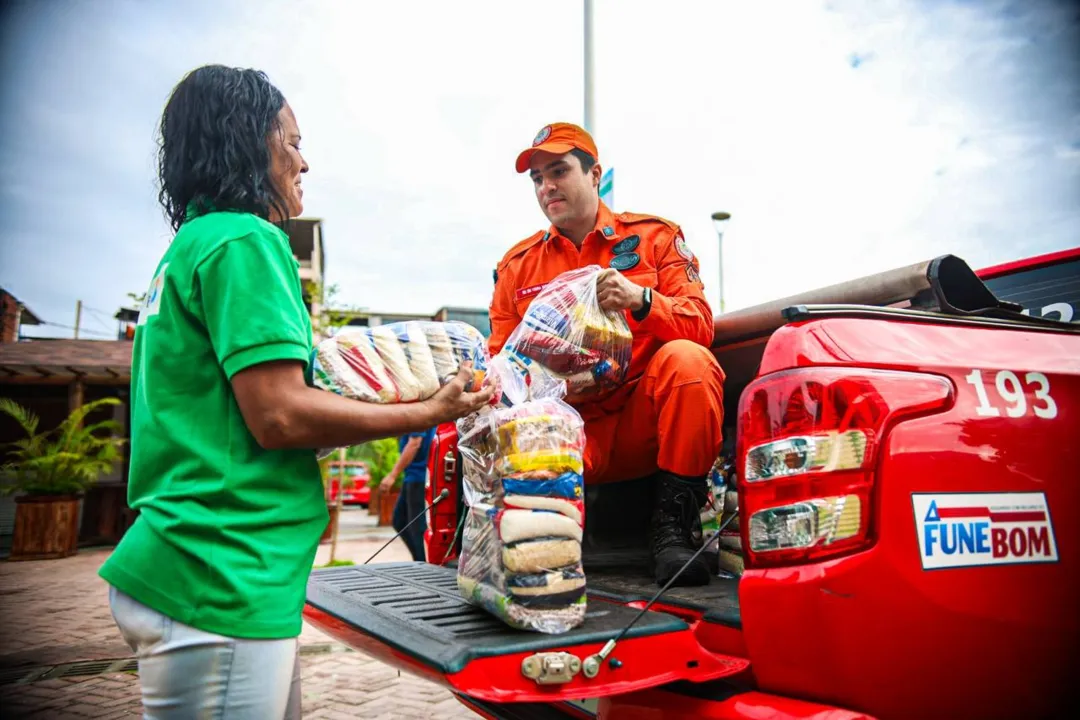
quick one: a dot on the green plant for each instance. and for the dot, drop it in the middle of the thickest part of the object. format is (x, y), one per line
(380, 455)
(63, 461)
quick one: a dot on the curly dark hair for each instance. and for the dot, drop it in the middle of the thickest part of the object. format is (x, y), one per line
(213, 152)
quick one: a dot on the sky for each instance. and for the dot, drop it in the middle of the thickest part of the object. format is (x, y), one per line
(845, 138)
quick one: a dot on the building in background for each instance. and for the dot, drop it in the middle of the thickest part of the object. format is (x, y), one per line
(306, 241)
(13, 315)
(126, 321)
(369, 318)
(477, 317)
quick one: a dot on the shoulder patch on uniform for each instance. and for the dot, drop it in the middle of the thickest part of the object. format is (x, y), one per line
(692, 274)
(520, 248)
(682, 248)
(629, 218)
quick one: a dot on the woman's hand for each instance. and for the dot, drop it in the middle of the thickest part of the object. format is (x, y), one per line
(453, 402)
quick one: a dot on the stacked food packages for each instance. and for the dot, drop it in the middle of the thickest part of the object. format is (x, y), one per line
(521, 541)
(398, 362)
(566, 337)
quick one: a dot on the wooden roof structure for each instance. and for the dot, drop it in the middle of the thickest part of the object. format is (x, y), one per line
(47, 362)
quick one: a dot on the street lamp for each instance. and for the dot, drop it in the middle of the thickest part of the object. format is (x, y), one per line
(720, 221)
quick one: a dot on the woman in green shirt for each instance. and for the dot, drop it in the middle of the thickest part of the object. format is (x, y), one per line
(208, 585)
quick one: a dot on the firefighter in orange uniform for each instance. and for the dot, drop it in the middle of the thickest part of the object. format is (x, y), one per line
(666, 419)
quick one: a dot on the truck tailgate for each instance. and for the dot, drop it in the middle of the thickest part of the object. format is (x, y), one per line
(411, 616)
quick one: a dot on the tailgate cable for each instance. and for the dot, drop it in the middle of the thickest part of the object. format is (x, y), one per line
(591, 666)
(442, 496)
(457, 534)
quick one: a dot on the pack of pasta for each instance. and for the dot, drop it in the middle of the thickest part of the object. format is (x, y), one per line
(399, 362)
(564, 333)
(521, 539)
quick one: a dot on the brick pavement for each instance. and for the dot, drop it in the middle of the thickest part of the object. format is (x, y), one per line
(57, 612)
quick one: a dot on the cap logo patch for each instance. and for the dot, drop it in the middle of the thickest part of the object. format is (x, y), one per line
(543, 135)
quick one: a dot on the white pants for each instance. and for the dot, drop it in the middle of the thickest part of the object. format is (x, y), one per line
(189, 673)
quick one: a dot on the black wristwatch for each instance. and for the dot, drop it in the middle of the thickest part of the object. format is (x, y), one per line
(646, 306)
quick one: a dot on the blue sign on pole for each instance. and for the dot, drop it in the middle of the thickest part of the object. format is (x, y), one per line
(607, 187)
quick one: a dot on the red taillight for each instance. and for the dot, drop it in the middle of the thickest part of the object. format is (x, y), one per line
(808, 440)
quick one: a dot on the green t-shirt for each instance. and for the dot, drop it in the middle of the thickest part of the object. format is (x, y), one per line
(227, 531)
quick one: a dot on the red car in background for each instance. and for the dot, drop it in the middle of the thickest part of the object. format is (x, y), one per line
(357, 477)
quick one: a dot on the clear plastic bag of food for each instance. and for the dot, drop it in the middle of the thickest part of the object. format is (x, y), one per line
(398, 362)
(567, 335)
(521, 541)
(533, 441)
(524, 567)
(519, 379)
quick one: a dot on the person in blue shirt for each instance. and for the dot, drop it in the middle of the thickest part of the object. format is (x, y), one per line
(412, 467)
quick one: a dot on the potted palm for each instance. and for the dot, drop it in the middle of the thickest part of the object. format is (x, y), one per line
(51, 470)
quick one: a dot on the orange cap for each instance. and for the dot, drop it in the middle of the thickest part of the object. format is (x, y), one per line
(558, 138)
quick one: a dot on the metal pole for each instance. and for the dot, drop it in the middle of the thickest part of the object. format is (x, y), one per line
(589, 68)
(78, 317)
(720, 220)
(720, 249)
(338, 503)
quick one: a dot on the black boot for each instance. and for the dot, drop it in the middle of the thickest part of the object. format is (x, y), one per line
(675, 531)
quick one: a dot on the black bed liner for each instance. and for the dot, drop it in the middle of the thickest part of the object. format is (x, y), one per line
(616, 557)
(718, 601)
(416, 608)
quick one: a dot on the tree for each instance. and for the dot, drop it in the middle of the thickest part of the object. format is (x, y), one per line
(380, 456)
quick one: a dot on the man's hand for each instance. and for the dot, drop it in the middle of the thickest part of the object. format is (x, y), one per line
(452, 402)
(615, 292)
(387, 483)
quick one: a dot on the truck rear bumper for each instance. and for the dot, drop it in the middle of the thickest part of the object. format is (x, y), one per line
(680, 701)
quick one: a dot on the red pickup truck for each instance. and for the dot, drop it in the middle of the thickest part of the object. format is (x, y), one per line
(905, 447)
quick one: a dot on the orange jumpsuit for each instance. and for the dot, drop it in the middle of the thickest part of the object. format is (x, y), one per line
(668, 414)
